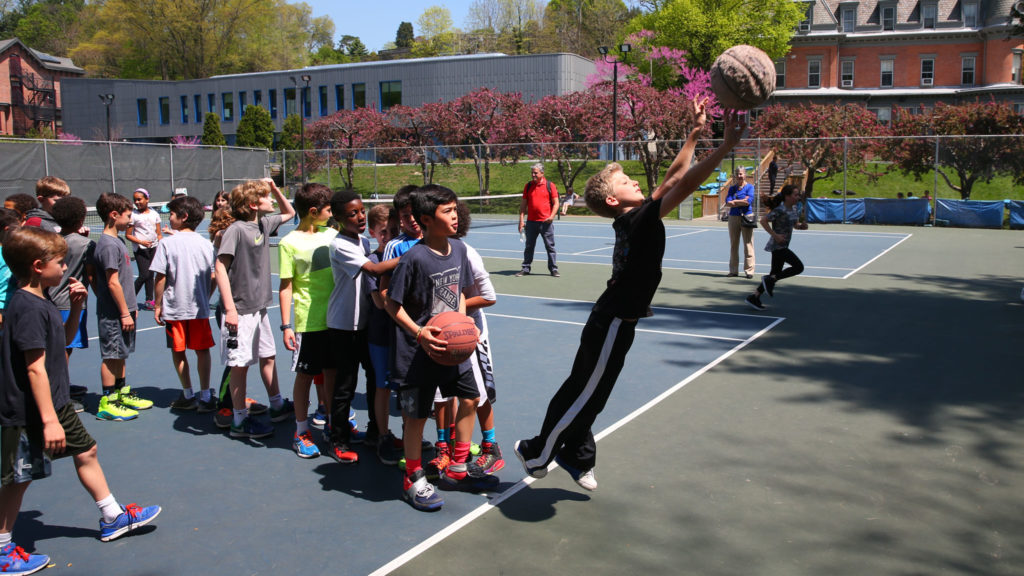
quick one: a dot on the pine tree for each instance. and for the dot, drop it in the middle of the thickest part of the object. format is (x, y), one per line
(404, 37)
(255, 129)
(212, 136)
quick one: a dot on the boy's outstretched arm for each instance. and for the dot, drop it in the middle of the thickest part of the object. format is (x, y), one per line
(675, 192)
(685, 155)
(287, 211)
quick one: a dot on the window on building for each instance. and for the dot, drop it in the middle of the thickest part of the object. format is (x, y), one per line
(967, 70)
(165, 110)
(929, 14)
(846, 73)
(184, 109)
(390, 94)
(257, 97)
(339, 97)
(197, 102)
(970, 14)
(290, 105)
(211, 103)
(324, 104)
(1015, 73)
(307, 104)
(848, 17)
(780, 73)
(805, 25)
(814, 74)
(888, 18)
(242, 102)
(359, 95)
(272, 94)
(927, 71)
(883, 115)
(886, 76)
(227, 106)
(143, 108)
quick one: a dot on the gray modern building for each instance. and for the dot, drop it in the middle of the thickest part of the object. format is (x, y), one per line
(155, 111)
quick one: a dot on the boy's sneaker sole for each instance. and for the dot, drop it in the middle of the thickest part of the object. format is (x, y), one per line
(468, 483)
(112, 411)
(133, 518)
(534, 473)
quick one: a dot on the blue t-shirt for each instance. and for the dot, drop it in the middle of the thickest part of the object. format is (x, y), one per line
(8, 284)
(747, 191)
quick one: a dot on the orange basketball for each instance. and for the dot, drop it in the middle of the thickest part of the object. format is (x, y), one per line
(743, 77)
(461, 334)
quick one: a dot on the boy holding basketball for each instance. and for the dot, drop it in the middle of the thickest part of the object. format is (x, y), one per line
(565, 434)
(431, 278)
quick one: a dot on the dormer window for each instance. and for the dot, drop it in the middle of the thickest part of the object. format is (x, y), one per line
(969, 13)
(888, 18)
(929, 15)
(805, 25)
(848, 19)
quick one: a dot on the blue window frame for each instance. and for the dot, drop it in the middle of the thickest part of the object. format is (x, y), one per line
(257, 97)
(273, 103)
(211, 103)
(184, 109)
(339, 97)
(390, 94)
(197, 102)
(307, 104)
(290, 106)
(358, 96)
(143, 111)
(227, 106)
(165, 110)
(323, 101)
(242, 102)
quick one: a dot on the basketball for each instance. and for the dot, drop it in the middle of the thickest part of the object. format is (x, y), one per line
(460, 332)
(743, 77)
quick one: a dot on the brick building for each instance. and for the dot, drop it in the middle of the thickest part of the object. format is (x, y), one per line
(30, 88)
(910, 54)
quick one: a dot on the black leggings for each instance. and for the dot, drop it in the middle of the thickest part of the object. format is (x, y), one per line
(143, 259)
(785, 256)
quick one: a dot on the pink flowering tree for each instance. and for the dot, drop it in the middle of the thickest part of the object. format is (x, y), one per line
(483, 124)
(411, 131)
(345, 133)
(565, 125)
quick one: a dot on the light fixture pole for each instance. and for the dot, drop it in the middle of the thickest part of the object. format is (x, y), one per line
(603, 50)
(302, 121)
(107, 99)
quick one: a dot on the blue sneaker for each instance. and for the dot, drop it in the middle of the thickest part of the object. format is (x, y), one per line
(319, 417)
(304, 446)
(286, 411)
(534, 472)
(251, 428)
(421, 494)
(133, 517)
(357, 436)
(14, 560)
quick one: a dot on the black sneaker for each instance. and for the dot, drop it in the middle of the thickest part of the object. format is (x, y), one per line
(519, 448)
(556, 274)
(207, 406)
(77, 391)
(183, 403)
(768, 285)
(389, 449)
(79, 407)
(755, 302)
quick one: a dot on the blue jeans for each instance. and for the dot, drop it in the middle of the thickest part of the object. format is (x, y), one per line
(547, 232)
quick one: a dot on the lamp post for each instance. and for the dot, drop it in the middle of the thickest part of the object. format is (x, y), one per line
(107, 99)
(603, 50)
(302, 121)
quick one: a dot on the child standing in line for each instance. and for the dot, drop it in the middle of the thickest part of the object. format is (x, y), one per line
(69, 214)
(432, 277)
(306, 282)
(243, 278)
(565, 434)
(9, 219)
(115, 311)
(48, 190)
(183, 265)
(348, 314)
(783, 218)
(37, 421)
(145, 233)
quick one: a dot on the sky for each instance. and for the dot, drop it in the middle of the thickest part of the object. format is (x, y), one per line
(375, 22)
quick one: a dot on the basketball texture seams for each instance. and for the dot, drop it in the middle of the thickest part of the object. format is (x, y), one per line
(743, 77)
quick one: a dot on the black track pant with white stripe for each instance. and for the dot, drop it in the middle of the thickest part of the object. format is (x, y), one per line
(566, 431)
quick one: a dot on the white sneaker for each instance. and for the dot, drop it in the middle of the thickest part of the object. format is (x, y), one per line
(587, 480)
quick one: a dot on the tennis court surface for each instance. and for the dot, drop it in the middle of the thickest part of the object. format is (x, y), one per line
(869, 426)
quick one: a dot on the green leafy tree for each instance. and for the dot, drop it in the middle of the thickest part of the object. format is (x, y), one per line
(51, 26)
(438, 33)
(580, 26)
(706, 28)
(212, 136)
(291, 133)
(404, 37)
(255, 129)
(357, 49)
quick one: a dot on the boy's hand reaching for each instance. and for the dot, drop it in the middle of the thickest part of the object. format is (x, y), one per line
(77, 292)
(735, 126)
(700, 113)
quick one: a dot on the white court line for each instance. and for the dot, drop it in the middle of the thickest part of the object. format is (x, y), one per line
(485, 253)
(884, 252)
(515, 489)
(666, 332)
(576, 301)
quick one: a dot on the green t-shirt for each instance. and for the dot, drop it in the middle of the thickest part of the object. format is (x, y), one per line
(306, 259)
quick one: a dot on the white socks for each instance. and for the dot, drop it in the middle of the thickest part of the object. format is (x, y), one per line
(109, 508)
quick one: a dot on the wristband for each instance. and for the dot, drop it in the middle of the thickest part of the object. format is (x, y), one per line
(287, 326)
(418, 332)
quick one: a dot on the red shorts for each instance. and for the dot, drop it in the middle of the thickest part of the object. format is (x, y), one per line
(189, 334)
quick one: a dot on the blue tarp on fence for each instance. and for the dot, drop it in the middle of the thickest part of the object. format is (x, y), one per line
(970, 213)
(1016, 214)
(830, 210)
(895, 211)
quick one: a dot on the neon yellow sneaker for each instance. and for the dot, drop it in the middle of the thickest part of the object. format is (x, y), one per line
(111, 409)
(128, 399)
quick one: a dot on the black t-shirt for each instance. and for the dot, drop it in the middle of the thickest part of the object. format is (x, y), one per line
(636, 262)
(30, 323)
(425, 284)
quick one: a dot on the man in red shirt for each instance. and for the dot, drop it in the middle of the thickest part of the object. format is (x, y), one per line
(539, 208)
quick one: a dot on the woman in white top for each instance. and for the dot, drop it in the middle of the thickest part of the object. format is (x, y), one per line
(144, 232)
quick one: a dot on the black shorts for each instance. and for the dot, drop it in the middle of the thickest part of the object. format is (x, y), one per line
(313, 353)
(424, 377)
(23, 458)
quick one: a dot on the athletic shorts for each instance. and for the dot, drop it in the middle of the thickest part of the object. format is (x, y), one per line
(82, 336)
(379, 359)
(194, 334)
(115, 343)
(313, 354)
(425, 378)
(483, 370)
(23, 457)
(255, 341)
